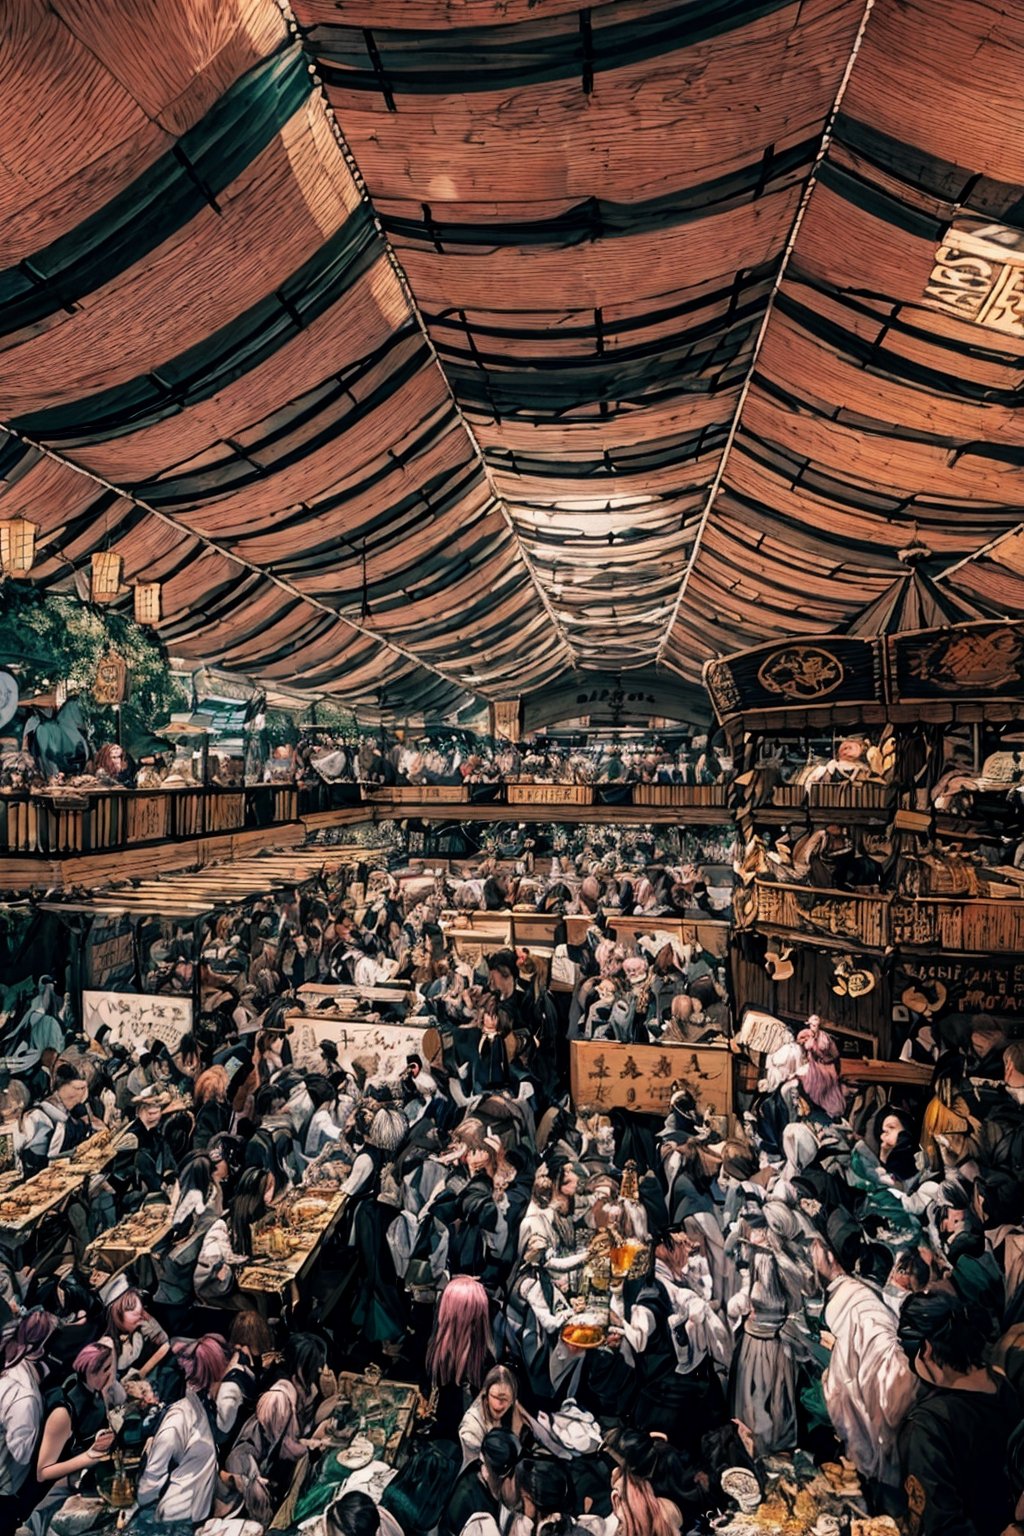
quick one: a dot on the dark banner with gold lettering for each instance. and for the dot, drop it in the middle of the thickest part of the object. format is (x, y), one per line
(968, 661)
(797, 674)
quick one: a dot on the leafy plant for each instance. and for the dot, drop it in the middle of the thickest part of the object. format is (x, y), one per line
(48, 637)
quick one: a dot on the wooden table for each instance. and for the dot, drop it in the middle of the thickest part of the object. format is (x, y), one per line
(268, 1277)
(134, 1237)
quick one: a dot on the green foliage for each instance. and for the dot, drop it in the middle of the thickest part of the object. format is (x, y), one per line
(46, 638)
(334, 716)
(280, 729)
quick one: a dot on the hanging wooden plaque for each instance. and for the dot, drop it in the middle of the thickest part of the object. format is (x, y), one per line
(111, 684)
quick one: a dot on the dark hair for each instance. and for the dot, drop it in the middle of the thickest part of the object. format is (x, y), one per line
(196, 1173)
(320, 1089)
(1000, 1199)
(504, 960)
(267, 1097)
(875, 1262)
(499, 1451)
(305, 1355)
(550, 1487)
(66, 1072)
(354, 1514)
(951, 1328)
(248, 1207)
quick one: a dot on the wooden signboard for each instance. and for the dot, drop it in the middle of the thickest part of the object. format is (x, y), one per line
(135, 1018)
(415, 794)
(550, 794)
(109, 953)
(390, 1044)
(961, 984)
(607, 1075)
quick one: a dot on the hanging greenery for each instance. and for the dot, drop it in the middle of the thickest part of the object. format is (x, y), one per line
(48, 638)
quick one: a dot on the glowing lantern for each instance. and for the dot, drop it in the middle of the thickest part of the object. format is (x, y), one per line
(106, 576)
(147, 602)
(17, 546)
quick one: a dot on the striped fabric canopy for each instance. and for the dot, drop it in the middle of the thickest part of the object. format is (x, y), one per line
(424, 349)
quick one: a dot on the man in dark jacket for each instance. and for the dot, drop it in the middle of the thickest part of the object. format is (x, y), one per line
(953, 1442)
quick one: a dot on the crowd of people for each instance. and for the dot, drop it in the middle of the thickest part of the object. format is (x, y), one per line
(609, 1317)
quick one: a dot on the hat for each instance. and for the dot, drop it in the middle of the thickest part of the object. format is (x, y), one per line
(114, 1288)
(653, 943)
(152, 1097)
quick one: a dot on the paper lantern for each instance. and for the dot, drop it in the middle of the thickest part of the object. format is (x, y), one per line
(147, 602)
(106, 576)
(17, 546)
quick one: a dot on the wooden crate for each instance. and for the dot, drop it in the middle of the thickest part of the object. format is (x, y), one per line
(225, 809)
(535, 927)
(710, 935)
(550, 794)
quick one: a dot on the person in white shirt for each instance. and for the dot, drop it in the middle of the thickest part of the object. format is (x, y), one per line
(179, 1474)
(21, 1408)
(869, 1386)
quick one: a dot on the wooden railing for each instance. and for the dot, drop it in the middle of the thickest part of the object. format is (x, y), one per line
(94, 821)
(69, 821)
(956, 925)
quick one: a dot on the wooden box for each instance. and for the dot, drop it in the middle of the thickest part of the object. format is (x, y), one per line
(148, 818)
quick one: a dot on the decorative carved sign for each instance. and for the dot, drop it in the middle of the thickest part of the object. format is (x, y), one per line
(972, 660)
(111, 685)
(978, 276)
(508, 722)
(801, 673)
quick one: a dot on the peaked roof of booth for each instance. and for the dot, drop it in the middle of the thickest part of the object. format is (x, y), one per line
(912, 601)
(422, 348)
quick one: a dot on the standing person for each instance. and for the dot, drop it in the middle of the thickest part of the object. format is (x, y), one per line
(868, 1386)
(21, 1409)
(764, 1367)
(263, 1458)
(460, 1353)
(179, 1474)
(953, 1442)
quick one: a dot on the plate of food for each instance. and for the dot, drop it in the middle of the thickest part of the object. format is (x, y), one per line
(581, 1334)
(359, 1454)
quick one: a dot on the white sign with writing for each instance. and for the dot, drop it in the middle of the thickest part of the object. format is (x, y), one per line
(136, 1018)
(387, 1044)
